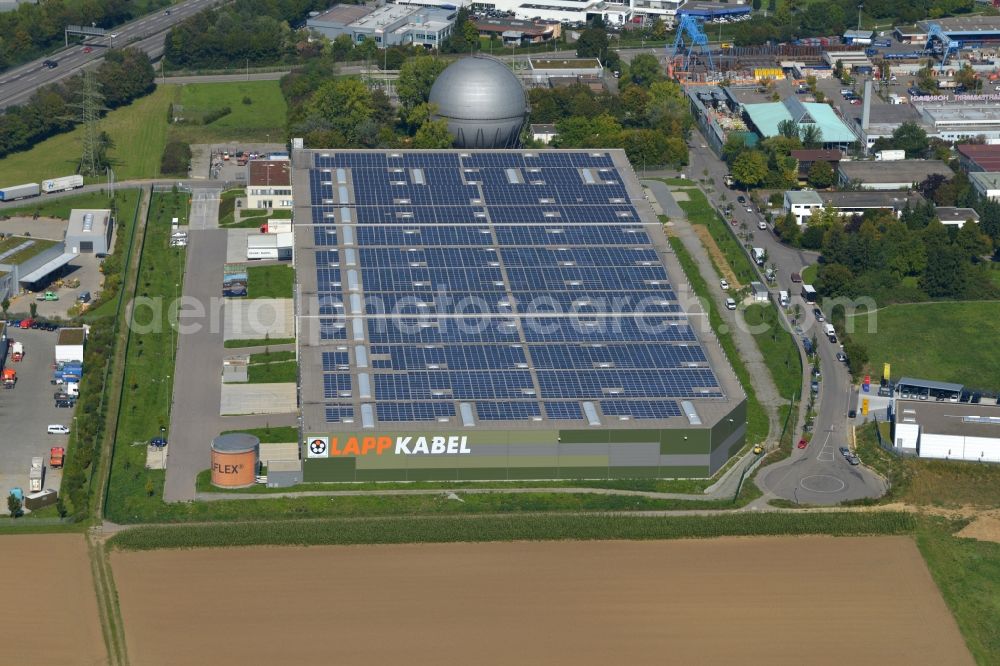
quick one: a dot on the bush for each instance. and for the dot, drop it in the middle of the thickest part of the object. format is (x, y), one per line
(247, 100)
(176, 159)
(215, 114)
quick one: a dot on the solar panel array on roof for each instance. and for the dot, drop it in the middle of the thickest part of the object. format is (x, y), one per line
(496, 287)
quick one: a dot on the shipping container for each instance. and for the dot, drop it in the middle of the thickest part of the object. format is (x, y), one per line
(15, 192)
(62, 184)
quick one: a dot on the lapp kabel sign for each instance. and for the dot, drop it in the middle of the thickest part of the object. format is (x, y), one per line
(377, 445)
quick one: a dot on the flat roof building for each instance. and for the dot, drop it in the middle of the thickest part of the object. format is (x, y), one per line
(986, 184)
(456, 321)
(515, 31)
(388, 25)
(269, 184)
(961, 121)
(900, 175)
(25, 261)
(802, 204)
(947, 430)
(956, 217)
(89, 232)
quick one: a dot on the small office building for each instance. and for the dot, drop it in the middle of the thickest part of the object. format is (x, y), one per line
(947, 430)
(269, 184)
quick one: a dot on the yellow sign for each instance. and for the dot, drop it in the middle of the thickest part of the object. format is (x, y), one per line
(864, 406)
(885, 372)
(768, 73)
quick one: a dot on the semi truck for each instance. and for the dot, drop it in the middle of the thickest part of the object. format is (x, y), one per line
(63, 184)
(35, 475)
(8, 378)
(17, 351)
(15, 192)
(276, 227)
(57, 455)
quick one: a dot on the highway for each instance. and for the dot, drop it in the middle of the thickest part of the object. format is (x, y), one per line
(146, 33)
(818, 474)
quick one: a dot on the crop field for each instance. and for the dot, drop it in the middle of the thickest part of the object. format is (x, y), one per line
(949, 342)
(698, 601)
(49, 611)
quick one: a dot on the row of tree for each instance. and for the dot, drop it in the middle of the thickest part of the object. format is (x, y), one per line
(123, 76)
(33, 29)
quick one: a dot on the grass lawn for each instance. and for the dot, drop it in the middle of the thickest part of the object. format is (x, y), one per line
(61, 208)
(273, 373)
(148, 371)
(270, 282)
(236, 344)
(809, 274)
(757, 421)
(275, 435)
(139, 132)
(699, 211)
(968, 574)
(272, 357)
(949, 342)
(683, 182)
(227, 205)
(29, 248)
(248, 220)
(781, 354)
(995, 274)
(265, 113)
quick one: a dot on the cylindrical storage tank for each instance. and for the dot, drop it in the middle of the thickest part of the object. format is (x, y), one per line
(234, 460)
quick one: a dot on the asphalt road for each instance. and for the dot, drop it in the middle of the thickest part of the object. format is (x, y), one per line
(819, 474)
(146, 33)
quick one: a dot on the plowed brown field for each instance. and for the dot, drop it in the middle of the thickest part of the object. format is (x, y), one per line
(813, 600)
(48, 612)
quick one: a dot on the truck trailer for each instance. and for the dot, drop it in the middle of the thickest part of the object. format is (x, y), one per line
(63, 184)
(276, 227)
(8, 378)
(15, 192)
(17, 351)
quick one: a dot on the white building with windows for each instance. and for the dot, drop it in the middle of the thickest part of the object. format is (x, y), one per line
(269, 184)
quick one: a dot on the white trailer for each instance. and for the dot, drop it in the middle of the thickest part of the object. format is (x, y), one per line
(62, 184)
(890, 155)
(35, 475)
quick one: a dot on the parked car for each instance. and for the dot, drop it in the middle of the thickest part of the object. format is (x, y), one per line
(844, 451)
(65, 404)
(803, 443)
(730, 304)
(84, 297)
(741, 199)
(814, 386)
(854, 460)
(819, 315)
(158, 442)
(88, 49)
(762, 225)
(724, 284)
(58, 430)
(842, 357)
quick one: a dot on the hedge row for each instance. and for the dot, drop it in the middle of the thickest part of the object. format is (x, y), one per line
(509, 528)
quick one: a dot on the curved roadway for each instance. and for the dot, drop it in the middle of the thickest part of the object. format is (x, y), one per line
(146, 33)
(819, 474)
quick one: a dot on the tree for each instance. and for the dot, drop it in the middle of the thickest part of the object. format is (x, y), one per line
(788, 129)
(750, 168)
(5, 305)
(667, 109)
(14, 506)
(821, 174)
(967, 78)
(972, 242)
(416, 77)
(644, 70)
(125, 75)
(788, 229)
(857, 356)
(811, 136)
(593, 43)
(912, 138)
(835, 280)
(33, 310)
(926, 81)
(459, 40)
(341, 47)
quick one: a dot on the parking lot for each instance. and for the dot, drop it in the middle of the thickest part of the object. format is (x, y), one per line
(25, 412)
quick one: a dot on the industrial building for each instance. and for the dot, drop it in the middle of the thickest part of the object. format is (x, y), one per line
(711, 10)
(89, 232)
(269, 184)
(979, 157)
(900, 175)
(986, 184)
(562, 11)
(25, 261)
(480, 314)
(483, 102)
(515, 32)
(765, 118)
(969, 30)
(802, 203)
(947, 430)
(388, 25)
(959, 120)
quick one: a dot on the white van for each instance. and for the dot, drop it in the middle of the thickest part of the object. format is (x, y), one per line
(58, 430)
(783, 298)
(831, 334)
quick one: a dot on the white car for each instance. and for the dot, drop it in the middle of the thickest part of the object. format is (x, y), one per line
(749, 209)
(58, 430)
(724, 284)
(730, 304)
(762, 225)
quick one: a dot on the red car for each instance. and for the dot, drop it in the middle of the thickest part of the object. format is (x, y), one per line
(26, 323)
(803, 443)
(88, 49)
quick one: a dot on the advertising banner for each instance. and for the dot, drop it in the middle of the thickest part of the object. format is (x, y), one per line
(317, 447)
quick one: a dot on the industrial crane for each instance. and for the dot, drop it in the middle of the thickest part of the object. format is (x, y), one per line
(948, 45)
(692, 27)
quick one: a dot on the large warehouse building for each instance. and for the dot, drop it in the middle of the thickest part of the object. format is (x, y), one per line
(947, 430)
(498, 315)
